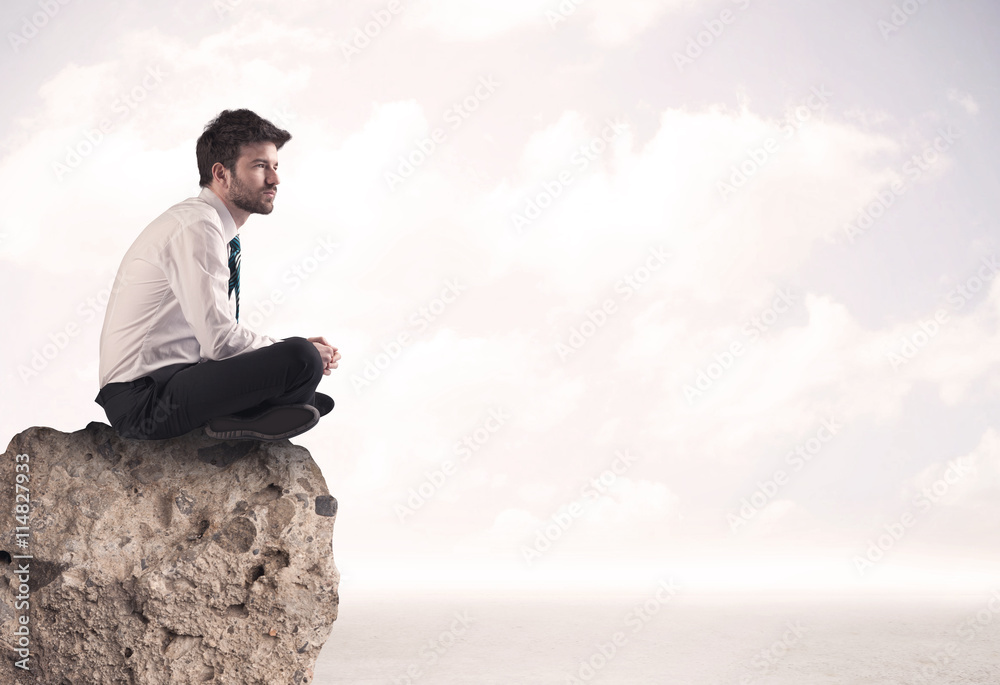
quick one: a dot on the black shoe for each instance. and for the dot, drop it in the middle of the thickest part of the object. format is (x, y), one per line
(322, 402)
(274, 423)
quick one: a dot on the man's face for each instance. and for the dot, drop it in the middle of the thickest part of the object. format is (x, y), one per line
(254, 183)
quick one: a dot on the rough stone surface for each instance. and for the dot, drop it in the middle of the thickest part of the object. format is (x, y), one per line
(187, 560)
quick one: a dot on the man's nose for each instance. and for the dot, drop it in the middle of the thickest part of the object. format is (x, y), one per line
(272, 178)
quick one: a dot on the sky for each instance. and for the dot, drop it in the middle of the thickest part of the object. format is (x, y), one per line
(624, 290)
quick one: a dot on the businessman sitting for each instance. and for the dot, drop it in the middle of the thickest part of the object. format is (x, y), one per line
(173, 355)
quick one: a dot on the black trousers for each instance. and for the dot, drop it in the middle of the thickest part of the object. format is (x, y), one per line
(176, 399)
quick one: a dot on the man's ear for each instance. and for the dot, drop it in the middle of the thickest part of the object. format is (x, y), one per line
(221, 174)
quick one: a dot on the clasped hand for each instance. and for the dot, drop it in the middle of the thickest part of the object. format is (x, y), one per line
(328, 352)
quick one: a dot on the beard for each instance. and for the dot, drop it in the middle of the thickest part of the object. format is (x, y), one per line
(248, 200)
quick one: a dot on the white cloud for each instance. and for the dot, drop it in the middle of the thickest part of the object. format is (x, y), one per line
(963, 480)
(632, 504)
(458, 20)
(957, 348)
(967, 102)
(655, 183)
(609, 22)
(615, 22)
(953, 501)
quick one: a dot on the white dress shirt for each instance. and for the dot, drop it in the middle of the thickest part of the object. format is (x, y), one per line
(170, 302)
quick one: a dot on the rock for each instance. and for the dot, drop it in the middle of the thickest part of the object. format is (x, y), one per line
(177, 561)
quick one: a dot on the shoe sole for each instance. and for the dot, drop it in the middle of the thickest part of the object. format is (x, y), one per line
(324, 403)
(277, 423)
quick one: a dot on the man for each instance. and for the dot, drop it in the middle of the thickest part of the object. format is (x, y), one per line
(173, 355)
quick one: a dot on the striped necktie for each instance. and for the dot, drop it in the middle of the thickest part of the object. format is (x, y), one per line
(234, 271)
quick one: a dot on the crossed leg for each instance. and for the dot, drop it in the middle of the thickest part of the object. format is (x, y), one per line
(287, 372)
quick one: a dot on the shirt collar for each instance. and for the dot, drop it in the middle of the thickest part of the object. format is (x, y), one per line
(229, 229)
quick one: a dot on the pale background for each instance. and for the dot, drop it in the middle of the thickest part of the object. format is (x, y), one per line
(655, 186)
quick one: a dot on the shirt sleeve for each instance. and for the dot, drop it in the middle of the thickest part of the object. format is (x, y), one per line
(196, 263)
